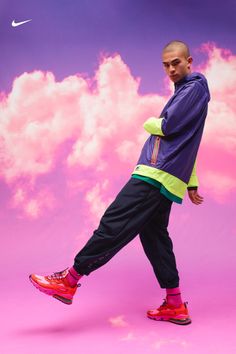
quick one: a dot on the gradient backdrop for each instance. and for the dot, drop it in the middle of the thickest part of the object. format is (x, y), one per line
(76, 84)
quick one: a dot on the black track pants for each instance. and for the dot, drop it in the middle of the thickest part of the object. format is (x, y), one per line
(139, 208)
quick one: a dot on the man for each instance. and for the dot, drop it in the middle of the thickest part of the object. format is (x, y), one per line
(165, 170)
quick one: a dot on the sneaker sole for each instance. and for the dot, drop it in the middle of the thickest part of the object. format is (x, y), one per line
(62, 299)
(50, 292)
(183, 321)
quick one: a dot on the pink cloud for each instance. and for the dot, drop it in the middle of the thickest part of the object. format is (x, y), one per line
(38, 115)
(33, 204)
(218, 150)
(94, 197)
(219, 184)
(166, 342)
(220, 70)
(129, 336)
(94, 128)
(118, 321)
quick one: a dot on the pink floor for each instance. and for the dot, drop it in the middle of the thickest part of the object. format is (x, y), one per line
(95, 323)
(108, 312)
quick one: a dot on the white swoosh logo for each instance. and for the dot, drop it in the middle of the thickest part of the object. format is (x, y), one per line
(15, 24)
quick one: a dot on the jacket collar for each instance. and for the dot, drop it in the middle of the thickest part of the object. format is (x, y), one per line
(182, 81)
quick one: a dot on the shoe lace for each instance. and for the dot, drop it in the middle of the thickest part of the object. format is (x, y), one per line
(164, 305)
(57, 275)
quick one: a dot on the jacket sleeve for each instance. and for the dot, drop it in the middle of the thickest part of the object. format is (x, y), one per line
(193, 181)
(183, 113)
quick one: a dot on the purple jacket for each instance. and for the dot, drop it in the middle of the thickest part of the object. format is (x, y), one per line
(174, 151)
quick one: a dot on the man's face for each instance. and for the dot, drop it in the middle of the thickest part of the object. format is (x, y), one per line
(176, 65)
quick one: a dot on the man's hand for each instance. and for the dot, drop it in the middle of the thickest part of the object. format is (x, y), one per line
(194, 196)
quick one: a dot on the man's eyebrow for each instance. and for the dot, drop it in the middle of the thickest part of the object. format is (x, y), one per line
(172, 61)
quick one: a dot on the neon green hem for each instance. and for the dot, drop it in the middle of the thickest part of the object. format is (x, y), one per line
(163, 190)
(148, 179)
(173, 184)
(171, 196)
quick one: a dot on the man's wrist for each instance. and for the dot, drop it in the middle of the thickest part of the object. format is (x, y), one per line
(192, 188)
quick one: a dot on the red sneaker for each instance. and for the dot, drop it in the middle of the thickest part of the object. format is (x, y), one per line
(170, 313)
(55, 285)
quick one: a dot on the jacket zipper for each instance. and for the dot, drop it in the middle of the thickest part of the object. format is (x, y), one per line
(155, 151)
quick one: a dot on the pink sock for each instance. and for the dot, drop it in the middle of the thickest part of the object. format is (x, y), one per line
(173, 296)
(73, 277)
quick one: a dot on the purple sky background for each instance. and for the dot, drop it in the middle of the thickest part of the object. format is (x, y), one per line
(67, 37)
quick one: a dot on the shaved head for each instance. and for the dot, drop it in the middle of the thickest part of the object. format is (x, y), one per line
(177, 45)
(176, 60)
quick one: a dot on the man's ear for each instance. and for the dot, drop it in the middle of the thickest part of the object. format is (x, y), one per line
(190, 60)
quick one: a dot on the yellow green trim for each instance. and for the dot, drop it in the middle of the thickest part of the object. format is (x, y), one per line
(171, 196)
(193, 182)
(173, 184)
(153, 126)
(149, 180)
(163, 190)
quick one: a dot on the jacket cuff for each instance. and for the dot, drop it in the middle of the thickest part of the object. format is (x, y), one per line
(193, 181)
(192, 188)
(153, 126)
